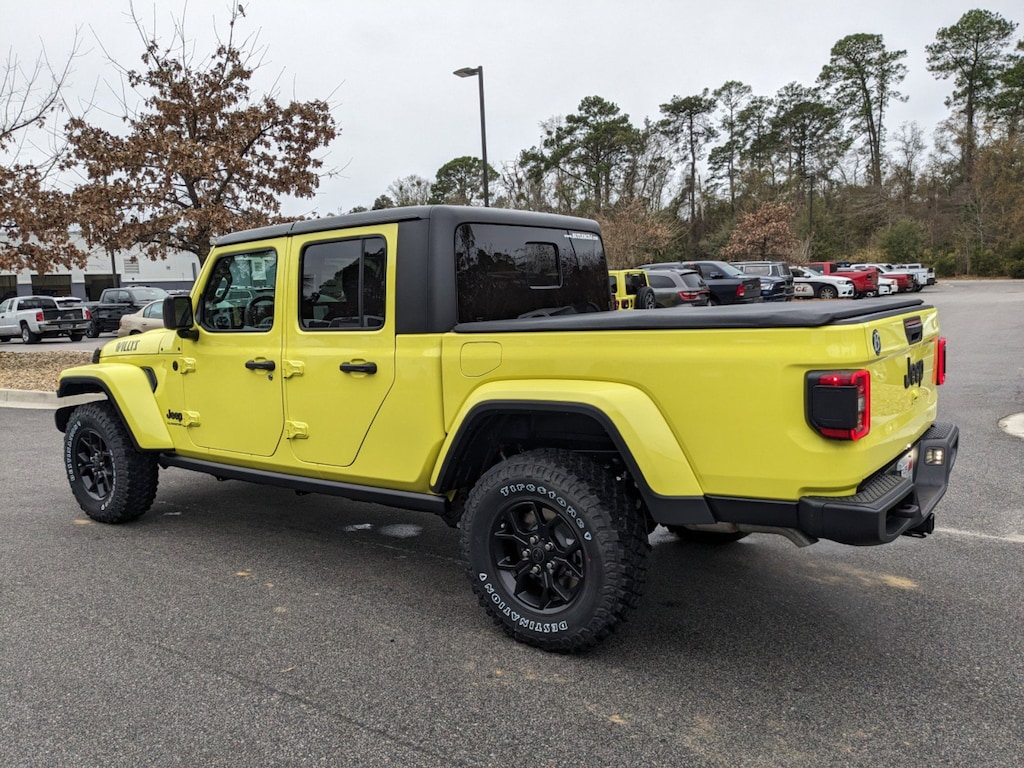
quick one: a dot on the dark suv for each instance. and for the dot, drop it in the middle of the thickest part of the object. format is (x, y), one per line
(673, 287)
(776, 279)
(728, 285)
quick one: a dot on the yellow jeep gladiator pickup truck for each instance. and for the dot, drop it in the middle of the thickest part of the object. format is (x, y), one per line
(466, 362)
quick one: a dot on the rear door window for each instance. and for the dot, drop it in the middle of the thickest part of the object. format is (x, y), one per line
(343, 284)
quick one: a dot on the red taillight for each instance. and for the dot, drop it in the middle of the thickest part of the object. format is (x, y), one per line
(839, 403)
(940, 361)
(687, 296)
(88, 314)
(39, 316)
(740, 291)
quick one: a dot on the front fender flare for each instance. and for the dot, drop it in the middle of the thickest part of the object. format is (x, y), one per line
(128, 389)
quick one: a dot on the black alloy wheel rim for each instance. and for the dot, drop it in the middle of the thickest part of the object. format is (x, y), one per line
(538, 556)
(94, 464)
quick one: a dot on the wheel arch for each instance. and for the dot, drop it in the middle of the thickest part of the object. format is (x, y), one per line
(120, 385)
(619, 422)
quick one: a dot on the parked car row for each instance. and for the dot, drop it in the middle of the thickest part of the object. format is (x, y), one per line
(726, 283)
(649, 288)
(711, 283)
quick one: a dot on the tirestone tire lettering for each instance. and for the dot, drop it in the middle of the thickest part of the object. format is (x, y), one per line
(555, 552)
(111, 480)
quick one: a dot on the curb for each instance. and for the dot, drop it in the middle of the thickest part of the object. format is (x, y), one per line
(40, 400)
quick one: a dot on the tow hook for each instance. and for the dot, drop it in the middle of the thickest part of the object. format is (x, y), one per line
(922, 530)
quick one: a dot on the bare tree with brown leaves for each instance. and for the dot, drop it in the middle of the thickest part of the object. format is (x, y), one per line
(34, 218)
(766, 233)
(202, 156)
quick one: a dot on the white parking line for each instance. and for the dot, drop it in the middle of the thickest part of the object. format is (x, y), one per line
(1013, 538)
(1013, 425)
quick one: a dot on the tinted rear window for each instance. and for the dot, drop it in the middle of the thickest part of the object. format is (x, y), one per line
(37, 302)
(660, 281)
(692, 280)
(505, 272)
(762, 270)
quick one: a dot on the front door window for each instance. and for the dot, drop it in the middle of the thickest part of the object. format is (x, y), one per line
(234, 388)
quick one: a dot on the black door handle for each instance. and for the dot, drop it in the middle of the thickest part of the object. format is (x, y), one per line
(358, 367)
(260, 365)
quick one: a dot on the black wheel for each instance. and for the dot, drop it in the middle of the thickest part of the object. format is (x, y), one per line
(112, 481)
(645, 298)
(27, 336)
(554, 550)
(75, 336)
(94, 330)
(827, 292)
(706, 537)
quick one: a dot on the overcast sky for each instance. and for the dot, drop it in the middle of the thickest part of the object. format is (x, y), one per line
(389, 63)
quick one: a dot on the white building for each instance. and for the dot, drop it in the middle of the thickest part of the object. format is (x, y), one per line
(177, 271)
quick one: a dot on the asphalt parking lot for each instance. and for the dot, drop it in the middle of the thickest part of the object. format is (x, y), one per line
(237, 625)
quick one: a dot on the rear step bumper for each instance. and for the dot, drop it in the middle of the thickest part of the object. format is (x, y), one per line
(895, 502)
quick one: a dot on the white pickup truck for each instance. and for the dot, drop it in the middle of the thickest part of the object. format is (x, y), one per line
(923, 275)
(38, 317)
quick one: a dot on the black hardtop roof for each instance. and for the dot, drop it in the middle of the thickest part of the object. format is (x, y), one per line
(451, 215)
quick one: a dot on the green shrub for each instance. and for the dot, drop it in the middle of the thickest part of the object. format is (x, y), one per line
(1015, 261)
(944, 264)
(988, 264)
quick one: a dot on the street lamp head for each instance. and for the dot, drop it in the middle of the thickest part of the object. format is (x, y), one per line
(467, 71)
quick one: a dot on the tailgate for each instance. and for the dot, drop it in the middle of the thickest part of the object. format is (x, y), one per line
(904, 383)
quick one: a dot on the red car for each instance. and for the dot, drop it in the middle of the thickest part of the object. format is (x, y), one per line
(865, 281)
(904, 280)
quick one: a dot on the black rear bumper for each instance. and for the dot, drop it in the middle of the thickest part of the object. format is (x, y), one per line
(891, 503)
(897, 501)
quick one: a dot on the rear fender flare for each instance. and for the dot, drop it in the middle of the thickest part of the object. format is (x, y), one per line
(629, 417)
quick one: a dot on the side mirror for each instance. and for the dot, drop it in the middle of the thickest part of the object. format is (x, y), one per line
(178, 317)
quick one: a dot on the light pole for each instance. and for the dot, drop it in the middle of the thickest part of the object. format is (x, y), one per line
(810, 214)
(478, 72)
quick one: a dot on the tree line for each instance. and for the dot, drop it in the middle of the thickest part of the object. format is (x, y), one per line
(812, 171)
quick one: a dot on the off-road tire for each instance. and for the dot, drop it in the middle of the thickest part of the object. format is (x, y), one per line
(716, 538)
(554, 551)
(112, 481)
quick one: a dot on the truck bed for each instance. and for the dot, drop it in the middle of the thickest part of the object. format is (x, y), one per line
(737, 316)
